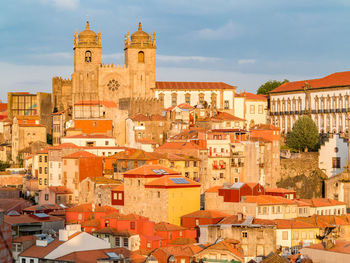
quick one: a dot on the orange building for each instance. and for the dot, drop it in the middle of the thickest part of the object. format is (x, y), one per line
(94, 126)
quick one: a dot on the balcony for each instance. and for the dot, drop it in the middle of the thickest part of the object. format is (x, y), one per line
(219, 166)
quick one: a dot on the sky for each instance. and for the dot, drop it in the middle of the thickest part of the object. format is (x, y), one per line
(243, 43)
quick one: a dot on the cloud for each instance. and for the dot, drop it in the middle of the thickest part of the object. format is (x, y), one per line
(227, 31)
(113, 56)
(179, 59)
(63, 4)
(55, 55)
(246, 61)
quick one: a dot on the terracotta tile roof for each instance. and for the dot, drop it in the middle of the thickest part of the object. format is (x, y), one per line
(128, 217)
(140, 117)
(24, 238)
(43, 207)
(107, 104)
(224, 116)
(265, 127)
(80, 154)
(179, 145)
(60, 189)
(179, 157)
(279, 190)
(104, 180)
(21, 219)
(206, 214)
(268, 200)
(164, 226)
(40, 252)
(170, 181)
(64, 146)
(150, 170)
(89, 136)
(293, 224)
(93, 256)
(325, 221)
(338, 79)
(214, 189)
(13, 204)
(115, 232)
(234, 219)
(185, 106)
(225, 245)
(136, 154)
(157, 117)
(118, 188)
(275, 258)
(192, 85)
(341, 246)
(182, 241)
(162, 254)
(252, 96)
(146, 141)
(320, 202)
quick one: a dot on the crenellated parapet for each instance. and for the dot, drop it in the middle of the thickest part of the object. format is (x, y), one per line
(113, 66)
(61, 81)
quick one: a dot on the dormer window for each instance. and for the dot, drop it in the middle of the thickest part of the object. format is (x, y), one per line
(88, 56)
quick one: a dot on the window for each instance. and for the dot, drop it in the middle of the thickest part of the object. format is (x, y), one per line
(23, 260)
(188, 98)
(40, 159)
(106, 143)
(88, 56)
(197, 222)
(226, 104)
(138, 182)
(173, 99)
(244, 234)
(45, 181)
(336, 162)
(120, 196)
(201, 98)
(261, 109)
(148, 245)
(45, 159)
(31, 260)
(252, 109)
(187, 164)
(125, 242)
(194, 163)
(40, 181)
(45, 170)
(161, 96)
(158, 193)
(141, 57)
(46, 197)
(107, 223)
(40, 170)
(117, 241)
(132, 225)
(285, 235)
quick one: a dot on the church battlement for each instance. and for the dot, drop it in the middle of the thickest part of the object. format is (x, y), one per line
(63, 81)
(113, 66)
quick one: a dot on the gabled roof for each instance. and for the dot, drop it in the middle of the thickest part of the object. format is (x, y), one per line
(89, 136)
(164, 226)
(341, 246)
(40, 252)
(338, 79)
(136, 154)
(224, 116)
(251, 96)
(192, 85)
(268, 200)
(60, 189)
(151, 170)
(179, 145)
(293, 224)
(206, 214)
(169, 181)
(89, 208)
(279, 190)
(320, 202)
(80, 154)
(226, 245)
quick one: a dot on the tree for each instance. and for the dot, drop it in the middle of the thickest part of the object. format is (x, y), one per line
(270, 85)
(304, 135)
(4, 166)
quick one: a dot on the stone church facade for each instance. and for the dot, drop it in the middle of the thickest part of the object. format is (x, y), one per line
(94, 81)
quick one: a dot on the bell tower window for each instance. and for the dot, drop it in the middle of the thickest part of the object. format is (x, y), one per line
(88, 56)
(141, 57)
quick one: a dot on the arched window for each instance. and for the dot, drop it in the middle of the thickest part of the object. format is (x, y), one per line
(88, 56)
(141, 57)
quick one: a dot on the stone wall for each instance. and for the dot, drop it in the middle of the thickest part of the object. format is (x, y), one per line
(303, 175)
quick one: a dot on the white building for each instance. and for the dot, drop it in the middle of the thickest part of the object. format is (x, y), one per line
(333, 155)
(326, 100)
(218, 95)
(90, 140)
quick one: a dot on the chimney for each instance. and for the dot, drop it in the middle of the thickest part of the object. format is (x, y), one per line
(93, 206)
(240, 216)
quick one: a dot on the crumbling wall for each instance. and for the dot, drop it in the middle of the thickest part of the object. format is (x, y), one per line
(303, 175)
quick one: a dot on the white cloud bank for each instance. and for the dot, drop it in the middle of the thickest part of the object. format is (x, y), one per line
(246, 61)
(63, 4)
(226, 31)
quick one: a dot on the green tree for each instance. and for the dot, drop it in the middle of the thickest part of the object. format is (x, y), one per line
(304, 135)
(4, 166)
(264, 89)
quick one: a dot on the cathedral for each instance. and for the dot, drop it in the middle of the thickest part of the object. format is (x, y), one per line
(94, 81)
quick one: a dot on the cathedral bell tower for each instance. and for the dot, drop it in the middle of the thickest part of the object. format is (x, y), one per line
(140, 59)
(87, 60)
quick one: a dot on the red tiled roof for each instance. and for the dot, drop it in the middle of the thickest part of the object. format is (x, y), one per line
(227, 246)
(92, 256)
(128, 217)
(150, 171)
(107, 104)
(179, 145)
(146, 141)
(167, 182)
(319, 202)
(140, 117)
(88, 208)
(64, 146)
(265, 127)
(80, 154)
(185, 106)
(338, 79)
(60, 189)
(341, 246)
(89, 136)
(224, 116)
(293, 224)
(206, 214)
(13, 220)
(164, 226)
(279, 190)
(40, 252)
(214, 189)
(268, 200)
(252, 96)
(192, 85)
(235, 220)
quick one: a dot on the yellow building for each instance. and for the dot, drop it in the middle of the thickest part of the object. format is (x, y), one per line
(187, 165)
(160, 193)
(43, 169)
